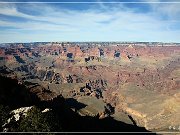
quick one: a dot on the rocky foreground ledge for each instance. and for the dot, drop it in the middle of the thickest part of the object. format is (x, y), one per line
(23, 97)
(161, 117)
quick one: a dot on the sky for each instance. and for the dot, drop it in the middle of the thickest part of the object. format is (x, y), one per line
(98, 20)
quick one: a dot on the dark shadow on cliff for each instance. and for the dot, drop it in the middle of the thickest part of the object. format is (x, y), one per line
(72, 103)
(72, 122)
(15, 96)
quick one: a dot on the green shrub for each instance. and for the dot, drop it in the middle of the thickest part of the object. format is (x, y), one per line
(36, 121)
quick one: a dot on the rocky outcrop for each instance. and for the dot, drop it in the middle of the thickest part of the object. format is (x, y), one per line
(69, 119)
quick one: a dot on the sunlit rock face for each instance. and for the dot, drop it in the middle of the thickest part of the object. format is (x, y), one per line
(140, 81)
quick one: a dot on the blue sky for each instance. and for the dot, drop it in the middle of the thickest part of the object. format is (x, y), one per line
(149, 21)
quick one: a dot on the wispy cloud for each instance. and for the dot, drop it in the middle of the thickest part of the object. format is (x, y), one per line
(170, 10)
(114, 22)
(11, 10)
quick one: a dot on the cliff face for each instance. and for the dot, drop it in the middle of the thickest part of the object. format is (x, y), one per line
(135, 84)
(19, 96)
(155, 112)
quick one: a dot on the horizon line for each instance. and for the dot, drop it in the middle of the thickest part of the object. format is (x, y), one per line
(91, 42)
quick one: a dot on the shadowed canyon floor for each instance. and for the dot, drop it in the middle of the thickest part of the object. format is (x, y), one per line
(137, 84)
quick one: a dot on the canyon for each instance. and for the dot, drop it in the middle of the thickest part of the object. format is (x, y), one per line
(134, 83)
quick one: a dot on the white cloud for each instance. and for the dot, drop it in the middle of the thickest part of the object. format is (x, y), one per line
(11, 10)
(170, 10)
(97, 24)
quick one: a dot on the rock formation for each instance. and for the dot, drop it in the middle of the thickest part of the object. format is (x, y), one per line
(134, 83)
